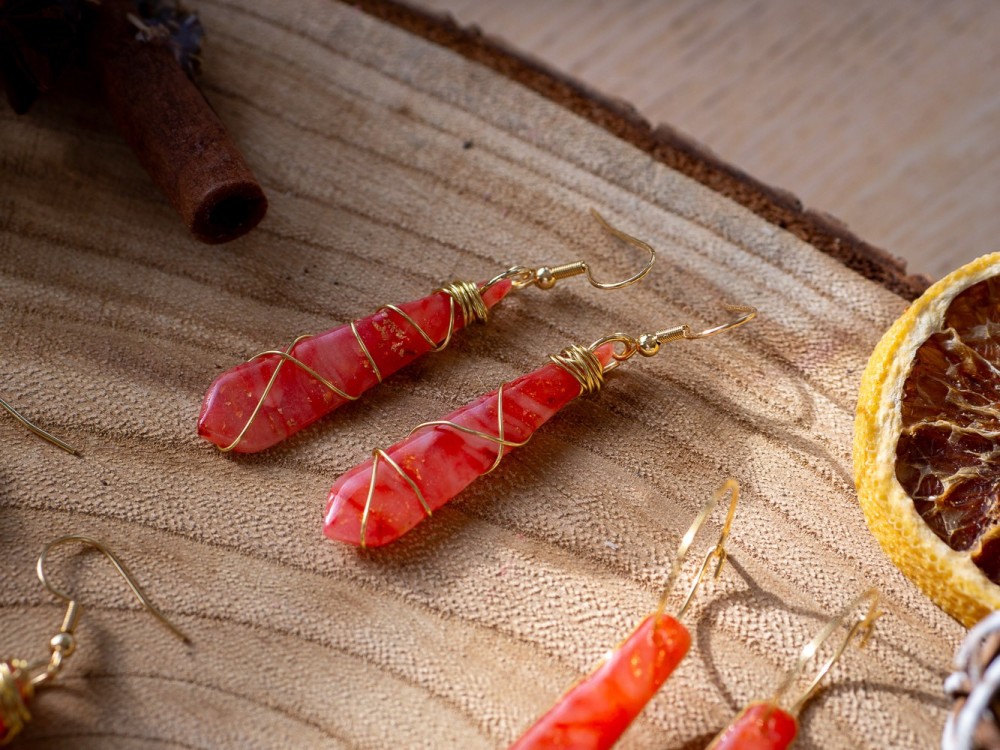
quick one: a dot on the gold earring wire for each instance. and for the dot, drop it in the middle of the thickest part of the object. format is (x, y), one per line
(44, 435)
(862, 628)
(718, 552)
(649, 344)
(73, 606)
(546, 277)
(19, 678)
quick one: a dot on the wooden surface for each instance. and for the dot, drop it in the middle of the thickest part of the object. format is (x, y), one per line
(393, 164)
(883, 115)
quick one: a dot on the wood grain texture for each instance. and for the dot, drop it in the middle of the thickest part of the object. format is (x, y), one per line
(883, 115)
(393, 164)
(664, 142)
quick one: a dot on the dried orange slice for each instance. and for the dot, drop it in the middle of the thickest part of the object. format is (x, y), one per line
(927, 441)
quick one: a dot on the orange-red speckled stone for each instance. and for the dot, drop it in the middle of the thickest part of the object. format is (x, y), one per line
(760, 726)
(593, 714)
(18, 715)
(298, 399)
(442, 461)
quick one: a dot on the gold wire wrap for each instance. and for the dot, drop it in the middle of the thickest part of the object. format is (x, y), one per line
(378, 454)
(470, 301)
(43, 434)
(582, 364)
(464, 296)
(14, 712)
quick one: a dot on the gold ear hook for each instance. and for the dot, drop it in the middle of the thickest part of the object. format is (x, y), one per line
(864, 626)
(546, 277)
(62, 645)
(48, 436)
(718, 552)
(649, 344)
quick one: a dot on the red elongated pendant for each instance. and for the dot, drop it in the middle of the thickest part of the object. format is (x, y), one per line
(274, 395)
(593, 713)
(760, 726)
(765, 725)
(378, 501)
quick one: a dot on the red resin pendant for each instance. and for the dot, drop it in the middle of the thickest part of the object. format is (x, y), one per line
(15, 693)
(436, 461)
(760, 726)
(593, 714)
(236, 416)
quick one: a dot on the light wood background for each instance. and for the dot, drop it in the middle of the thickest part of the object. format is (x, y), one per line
(393, 164)
(883, 114)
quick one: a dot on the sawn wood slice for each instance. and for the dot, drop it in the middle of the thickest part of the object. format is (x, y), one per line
(393, 164)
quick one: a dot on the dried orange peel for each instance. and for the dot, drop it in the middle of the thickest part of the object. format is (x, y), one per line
(927, 441)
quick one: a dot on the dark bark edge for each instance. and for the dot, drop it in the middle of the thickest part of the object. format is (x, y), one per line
(665, 144)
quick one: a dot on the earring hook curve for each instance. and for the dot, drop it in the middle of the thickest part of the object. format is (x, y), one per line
(627, 239)
(43, 434)
(865, 626)
(73, 611)
(546, 277)
(748, 313)
(718, 552)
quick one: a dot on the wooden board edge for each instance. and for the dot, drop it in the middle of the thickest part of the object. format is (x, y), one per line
(664, 143)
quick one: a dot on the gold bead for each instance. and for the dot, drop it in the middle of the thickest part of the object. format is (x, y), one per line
(63, 643)
(544, 278)
(649, 344)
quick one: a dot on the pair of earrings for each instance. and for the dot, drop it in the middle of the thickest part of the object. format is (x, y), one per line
(594, 713)
(263, 401)
(19, 678)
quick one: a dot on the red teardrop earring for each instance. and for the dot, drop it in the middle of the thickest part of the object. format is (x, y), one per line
(380, 500)
(277, 393)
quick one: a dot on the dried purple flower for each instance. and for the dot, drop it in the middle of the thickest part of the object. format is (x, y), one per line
(169, 22)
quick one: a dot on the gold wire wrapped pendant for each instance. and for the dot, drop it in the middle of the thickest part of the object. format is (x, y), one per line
(277, 393)
(16, 692)
(261, 402)
(378, 501)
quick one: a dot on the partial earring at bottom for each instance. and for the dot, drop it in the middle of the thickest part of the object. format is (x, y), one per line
(974, 720)
(592, 714)
(765, 725)
(19, 678)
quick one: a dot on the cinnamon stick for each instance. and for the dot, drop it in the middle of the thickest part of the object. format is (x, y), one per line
(172, 128)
